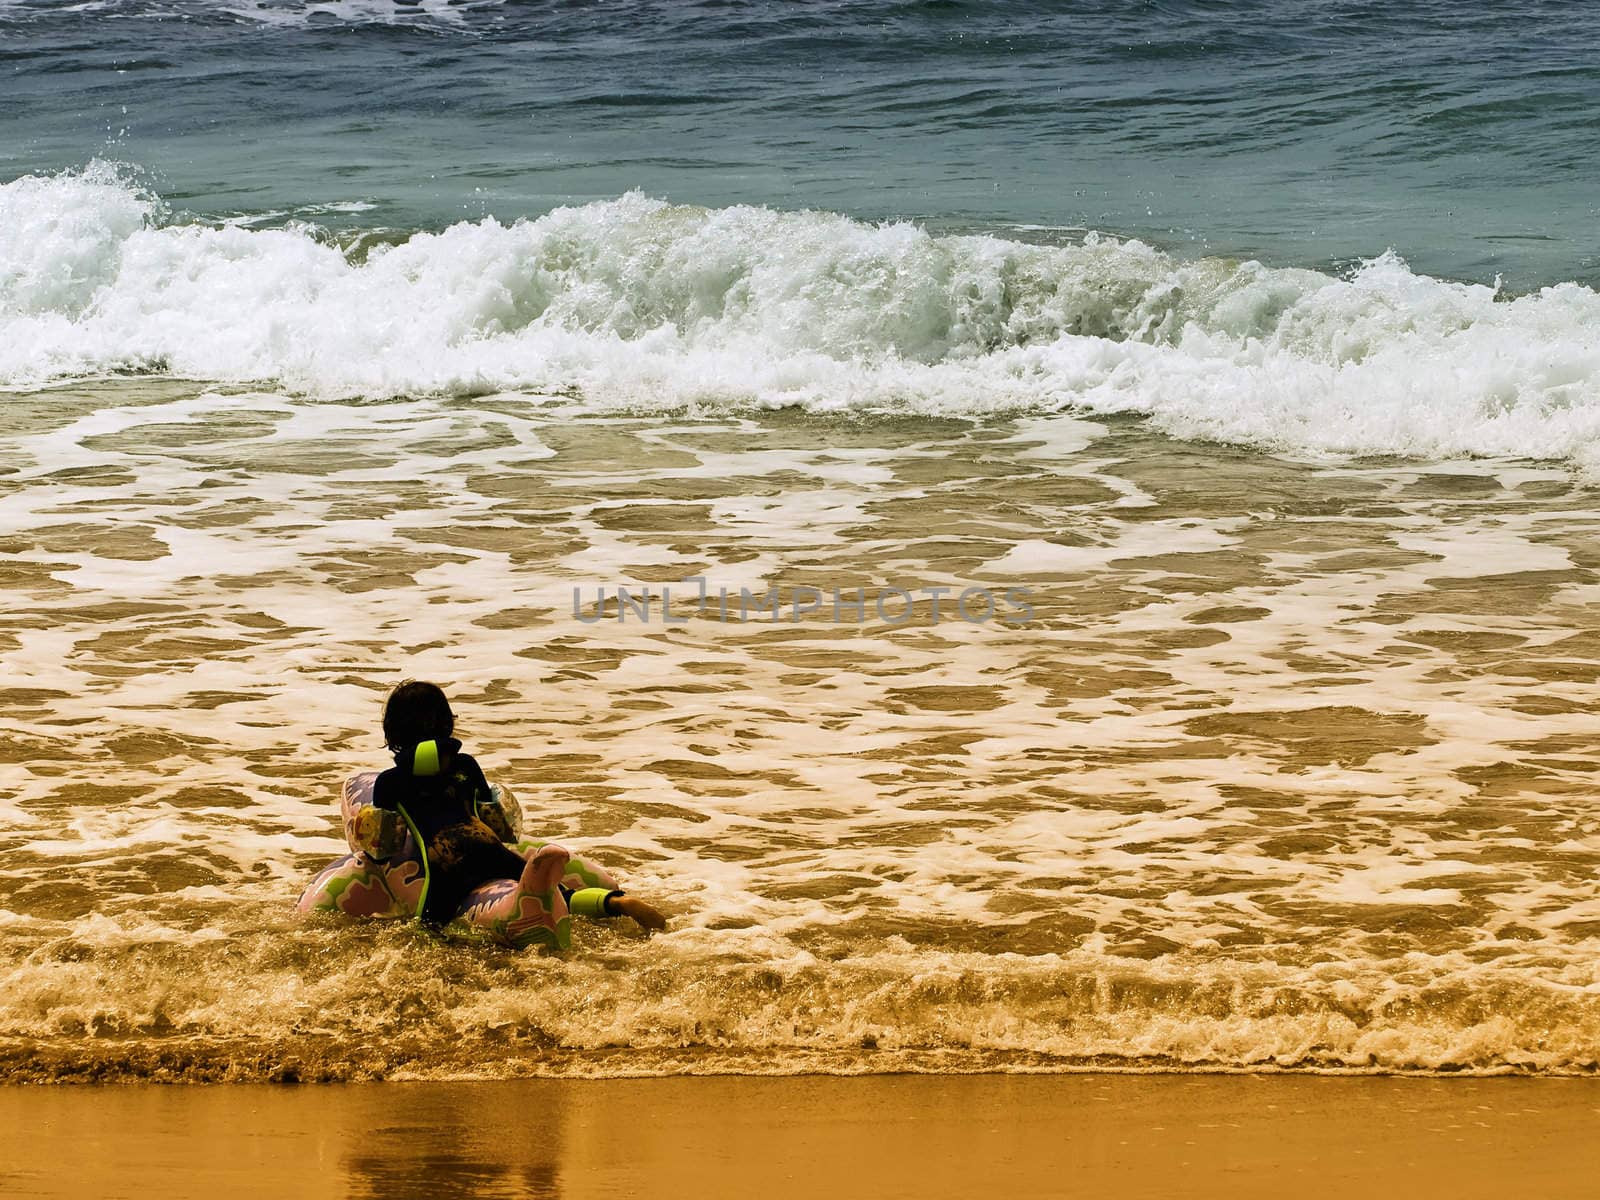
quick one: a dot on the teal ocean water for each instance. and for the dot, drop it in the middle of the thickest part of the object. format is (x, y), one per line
(1255, 343)
(1304, 134)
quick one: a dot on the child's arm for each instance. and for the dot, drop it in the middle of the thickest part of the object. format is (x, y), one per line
(376, 829)
(483, 803)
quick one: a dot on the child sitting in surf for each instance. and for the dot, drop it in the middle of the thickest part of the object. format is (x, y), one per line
(437, 790)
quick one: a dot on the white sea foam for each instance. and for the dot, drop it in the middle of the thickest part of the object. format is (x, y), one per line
(1273, 778)
(638, 304)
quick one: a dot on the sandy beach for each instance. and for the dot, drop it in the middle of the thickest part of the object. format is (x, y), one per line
(1126, 1136)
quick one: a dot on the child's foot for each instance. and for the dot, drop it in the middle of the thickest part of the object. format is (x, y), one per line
(643, 914)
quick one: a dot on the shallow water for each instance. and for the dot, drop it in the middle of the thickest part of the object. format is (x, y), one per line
(1285, 764)
(1303, 132)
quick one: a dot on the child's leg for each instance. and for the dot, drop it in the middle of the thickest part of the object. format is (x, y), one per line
(612, 902)
(631, 906)
(589, 890)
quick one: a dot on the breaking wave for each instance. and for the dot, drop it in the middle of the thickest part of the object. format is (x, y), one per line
(635, 303)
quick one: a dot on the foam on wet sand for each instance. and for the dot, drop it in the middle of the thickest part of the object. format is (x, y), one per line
(1279, 772)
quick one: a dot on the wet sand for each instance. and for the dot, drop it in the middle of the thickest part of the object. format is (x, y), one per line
(881, 1136)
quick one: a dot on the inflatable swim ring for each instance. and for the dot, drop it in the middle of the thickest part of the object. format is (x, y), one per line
(384, 875)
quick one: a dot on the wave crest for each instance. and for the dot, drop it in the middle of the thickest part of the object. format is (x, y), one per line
(637, 303)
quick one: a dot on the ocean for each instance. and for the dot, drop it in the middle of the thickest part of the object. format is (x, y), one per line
(1105, 501)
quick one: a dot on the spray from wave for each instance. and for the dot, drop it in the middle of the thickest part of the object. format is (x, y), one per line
(634, 303)
(125, 997)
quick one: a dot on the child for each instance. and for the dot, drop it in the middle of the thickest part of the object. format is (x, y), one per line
(437, 789)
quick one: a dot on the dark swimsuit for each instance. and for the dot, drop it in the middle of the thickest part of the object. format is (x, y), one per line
(442, 807)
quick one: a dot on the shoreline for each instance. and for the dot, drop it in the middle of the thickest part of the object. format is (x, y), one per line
(924, 1135)
(304, 1064)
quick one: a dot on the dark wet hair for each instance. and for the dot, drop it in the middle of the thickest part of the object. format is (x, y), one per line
(415, 712)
